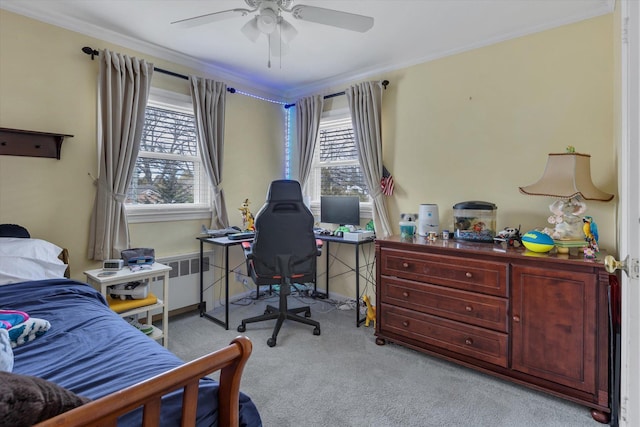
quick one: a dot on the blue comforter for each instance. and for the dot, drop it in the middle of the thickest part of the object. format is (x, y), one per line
(93, 352)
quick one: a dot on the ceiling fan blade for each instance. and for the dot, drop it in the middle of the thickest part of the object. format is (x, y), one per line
(210, 17)
(334, 18)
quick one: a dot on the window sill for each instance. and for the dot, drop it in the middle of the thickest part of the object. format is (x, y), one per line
(139, 214)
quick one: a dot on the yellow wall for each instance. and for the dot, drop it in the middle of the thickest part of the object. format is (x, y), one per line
(472, 126)
(478, 125)
(48, 84)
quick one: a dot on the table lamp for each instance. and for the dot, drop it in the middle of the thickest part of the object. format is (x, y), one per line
(567, 177)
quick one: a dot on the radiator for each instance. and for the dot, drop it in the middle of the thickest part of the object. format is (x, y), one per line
(184, 279)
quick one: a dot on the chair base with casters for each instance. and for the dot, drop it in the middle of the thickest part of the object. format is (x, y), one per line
(282, 313)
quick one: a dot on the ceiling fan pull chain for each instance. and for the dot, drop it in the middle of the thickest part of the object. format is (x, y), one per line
(269, 52)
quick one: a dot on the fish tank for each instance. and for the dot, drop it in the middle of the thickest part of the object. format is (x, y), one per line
(474, 221)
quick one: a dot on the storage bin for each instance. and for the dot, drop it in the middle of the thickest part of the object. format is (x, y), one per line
(474, 221)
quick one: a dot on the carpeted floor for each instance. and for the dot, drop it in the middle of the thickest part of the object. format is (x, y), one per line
(342, 378)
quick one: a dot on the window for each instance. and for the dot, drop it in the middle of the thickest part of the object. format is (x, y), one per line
(336, 170)
(169, 181)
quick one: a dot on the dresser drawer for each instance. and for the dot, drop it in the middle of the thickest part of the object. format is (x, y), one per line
(461, 273)
(481, 344)
(473, 308)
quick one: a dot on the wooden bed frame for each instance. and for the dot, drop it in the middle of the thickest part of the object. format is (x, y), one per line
(230, 361)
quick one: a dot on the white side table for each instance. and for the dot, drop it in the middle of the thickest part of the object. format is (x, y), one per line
(98, 280)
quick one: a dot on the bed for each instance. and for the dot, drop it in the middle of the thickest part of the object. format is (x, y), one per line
(91, 352)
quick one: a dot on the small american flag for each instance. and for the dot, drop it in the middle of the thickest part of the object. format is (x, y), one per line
(386, 183)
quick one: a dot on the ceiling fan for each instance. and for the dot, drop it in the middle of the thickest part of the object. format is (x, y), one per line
(280, 32)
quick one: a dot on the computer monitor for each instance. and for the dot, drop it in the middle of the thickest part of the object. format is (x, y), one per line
(341, 210)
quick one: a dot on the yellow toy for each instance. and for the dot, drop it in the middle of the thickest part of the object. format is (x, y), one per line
(371, 311)
(247, 216)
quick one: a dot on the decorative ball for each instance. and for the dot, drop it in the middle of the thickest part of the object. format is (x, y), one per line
(537, 241)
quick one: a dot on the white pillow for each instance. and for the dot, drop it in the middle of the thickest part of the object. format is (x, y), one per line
(22, 260)
(19, 269)
(29, 248)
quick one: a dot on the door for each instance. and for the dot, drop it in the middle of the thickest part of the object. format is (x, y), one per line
(629, 216)
(554, 326)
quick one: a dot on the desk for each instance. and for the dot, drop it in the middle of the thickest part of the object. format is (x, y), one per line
(226, 243)
(328, 240)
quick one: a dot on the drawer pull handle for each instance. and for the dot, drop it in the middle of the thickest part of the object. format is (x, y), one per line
(468, 341)
(469, 275)
(516, 318)
(468, 308)
(405, 323)
(405, 294)
(405, 264)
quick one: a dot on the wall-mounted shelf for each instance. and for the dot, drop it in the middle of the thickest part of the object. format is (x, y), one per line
(16, 142)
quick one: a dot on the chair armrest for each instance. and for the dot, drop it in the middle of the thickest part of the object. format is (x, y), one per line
(247, 248)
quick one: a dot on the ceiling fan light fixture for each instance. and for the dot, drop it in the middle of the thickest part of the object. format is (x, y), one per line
(267, 21)
(287, 31)
(250, 29)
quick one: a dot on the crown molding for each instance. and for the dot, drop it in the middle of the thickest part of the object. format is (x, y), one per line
(235, 80)
(606, 7)
(246, 84)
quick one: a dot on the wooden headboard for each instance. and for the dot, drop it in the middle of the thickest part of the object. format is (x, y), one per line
(64, 256)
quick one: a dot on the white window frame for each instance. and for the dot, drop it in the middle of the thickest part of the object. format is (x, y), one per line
(180, 211)
(312, 188)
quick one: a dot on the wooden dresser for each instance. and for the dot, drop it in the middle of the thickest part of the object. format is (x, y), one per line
(536, 319)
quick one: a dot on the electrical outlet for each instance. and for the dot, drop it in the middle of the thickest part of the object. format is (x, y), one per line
(245, 282)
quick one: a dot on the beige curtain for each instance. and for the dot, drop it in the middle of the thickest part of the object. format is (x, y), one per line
(122, 98)
(209, 99)
(308, 113)
(365, 104)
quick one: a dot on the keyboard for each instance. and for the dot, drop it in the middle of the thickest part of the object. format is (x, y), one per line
(244, 235)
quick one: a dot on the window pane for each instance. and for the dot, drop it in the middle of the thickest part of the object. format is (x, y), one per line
(168, 169)
(162, 181)
(337, 144)
(343, 181)
(167, 131)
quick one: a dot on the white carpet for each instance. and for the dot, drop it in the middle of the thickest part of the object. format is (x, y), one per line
(342, 378)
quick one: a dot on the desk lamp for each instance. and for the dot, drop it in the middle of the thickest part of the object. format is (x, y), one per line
(567, 177)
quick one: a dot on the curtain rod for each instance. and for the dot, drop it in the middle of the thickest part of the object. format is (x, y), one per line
(384, 83)
(91, 51)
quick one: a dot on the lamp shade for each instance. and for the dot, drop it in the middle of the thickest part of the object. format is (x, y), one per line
(288, 32)
(250, 29)
(567, 175)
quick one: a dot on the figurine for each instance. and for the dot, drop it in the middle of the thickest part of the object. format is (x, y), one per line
(590, 229)
(510, 235)
(371, 311)
(409, 217)
(247, 216)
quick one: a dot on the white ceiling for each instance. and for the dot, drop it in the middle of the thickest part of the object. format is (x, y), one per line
(405, 32)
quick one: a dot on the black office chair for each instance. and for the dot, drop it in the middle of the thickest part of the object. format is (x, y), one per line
(284, 251)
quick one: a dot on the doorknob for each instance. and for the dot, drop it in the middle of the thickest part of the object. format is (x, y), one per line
(631, 268)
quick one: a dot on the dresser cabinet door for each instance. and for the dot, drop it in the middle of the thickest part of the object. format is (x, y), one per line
(554, 325)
